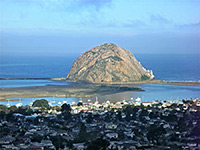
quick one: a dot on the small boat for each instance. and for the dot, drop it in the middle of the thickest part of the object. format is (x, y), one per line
(89, 101)
(81, 100)
(138, 99)
(19, 104)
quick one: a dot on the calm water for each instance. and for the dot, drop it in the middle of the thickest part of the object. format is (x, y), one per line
(35, 67)
(26, 83)
(172, 67)
(165, 67)
(152, 92)
(52, 100)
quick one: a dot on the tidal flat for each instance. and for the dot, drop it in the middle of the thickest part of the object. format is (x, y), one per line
(79, 89)
(72, 90)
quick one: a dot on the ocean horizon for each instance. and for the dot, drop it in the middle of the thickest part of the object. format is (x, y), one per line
(169, 67)
(165, 67)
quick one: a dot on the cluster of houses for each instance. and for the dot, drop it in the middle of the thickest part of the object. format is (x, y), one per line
(125, 125)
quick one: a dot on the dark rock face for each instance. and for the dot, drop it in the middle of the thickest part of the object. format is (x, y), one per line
(108, 63)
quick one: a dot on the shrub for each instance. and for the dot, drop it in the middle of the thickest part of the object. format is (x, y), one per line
(116, 58)
(144, 77)
(41, 103)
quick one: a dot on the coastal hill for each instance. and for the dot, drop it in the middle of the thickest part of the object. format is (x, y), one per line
(108, 63)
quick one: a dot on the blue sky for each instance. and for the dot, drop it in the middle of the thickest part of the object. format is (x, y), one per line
(58, 27)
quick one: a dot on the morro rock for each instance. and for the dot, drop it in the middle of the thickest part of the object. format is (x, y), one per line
(108, 63)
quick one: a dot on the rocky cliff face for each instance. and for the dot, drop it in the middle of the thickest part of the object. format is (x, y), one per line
(108, 63)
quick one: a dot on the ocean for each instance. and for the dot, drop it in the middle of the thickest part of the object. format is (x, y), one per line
(165, 67)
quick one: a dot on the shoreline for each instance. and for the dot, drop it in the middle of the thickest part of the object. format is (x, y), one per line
(59, 79)
(182, 83)
(72, 90)
(79, 89)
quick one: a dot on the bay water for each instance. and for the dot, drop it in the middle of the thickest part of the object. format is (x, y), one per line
(165, 67)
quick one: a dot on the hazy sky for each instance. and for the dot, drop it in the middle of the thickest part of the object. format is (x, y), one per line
(60, 27)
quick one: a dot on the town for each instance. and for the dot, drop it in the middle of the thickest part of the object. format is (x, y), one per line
(125, 125)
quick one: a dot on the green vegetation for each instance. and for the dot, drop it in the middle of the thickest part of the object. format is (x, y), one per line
(116, 58)
(93, 52)
(115, 78)
(7, 112)
(188, 101)
(43, 103)
(82, 136)
(80, 104)
(3, 108)
(66, 108)
(144, 77)
(66, 111)
(99, 143)
(13, 108)
(158, 126)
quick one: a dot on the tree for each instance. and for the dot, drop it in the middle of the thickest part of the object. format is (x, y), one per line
(89, 118)
(66, 111)
(43, 103)
(155, 132)
(58, 142)
(98, 144)
(80, 104)
(119, 115)
(36, 138)
(142, 115)
(187, 101)
(144, 77)
(22, 111)
(3, 108)
(66, 108)
(13, 108)
(9, 117)
(2, 115)
(82, 133)
(129, 112)
(173, 106)
(195, 131)
(152, 115)
(108, 118)
(171, 118)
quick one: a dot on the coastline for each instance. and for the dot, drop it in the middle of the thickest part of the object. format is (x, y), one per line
(182, 83)
(79, 89)
(72, 90)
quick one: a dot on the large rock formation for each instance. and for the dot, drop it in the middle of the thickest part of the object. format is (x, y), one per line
(108, 63)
